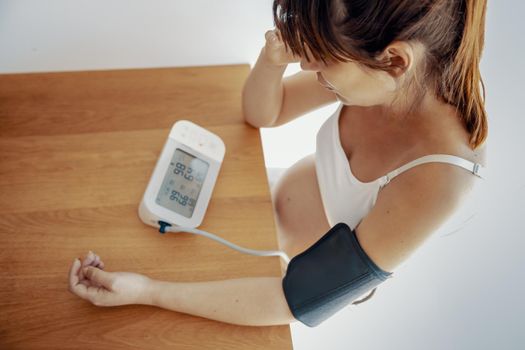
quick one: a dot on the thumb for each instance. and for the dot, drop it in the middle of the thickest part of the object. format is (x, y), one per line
(97, 275)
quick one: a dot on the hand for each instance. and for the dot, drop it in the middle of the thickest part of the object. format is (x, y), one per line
(88, 280)
(274, 51)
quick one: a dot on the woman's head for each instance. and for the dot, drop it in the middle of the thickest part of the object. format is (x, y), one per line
(392, 51)
(356, 84)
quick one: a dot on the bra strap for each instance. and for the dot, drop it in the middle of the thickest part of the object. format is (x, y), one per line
(476, 168)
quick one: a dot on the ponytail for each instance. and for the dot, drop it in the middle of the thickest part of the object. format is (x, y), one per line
(452, 31)
(463, 79)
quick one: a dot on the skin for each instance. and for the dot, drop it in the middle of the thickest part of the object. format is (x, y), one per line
(257, 301)
(375, 136)
(378, 138)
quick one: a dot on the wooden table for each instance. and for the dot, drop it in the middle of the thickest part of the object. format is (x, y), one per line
(77, 150)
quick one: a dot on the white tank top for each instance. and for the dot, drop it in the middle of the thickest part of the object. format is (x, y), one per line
(345, 198)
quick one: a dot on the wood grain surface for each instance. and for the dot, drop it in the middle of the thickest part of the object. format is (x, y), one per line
(76, 152)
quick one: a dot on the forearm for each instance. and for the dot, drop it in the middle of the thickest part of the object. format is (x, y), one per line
(257, 301)
(262, 93)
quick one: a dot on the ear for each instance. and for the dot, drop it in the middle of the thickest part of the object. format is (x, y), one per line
(400, 55)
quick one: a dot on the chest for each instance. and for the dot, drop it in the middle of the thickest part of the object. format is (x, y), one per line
(374, 147)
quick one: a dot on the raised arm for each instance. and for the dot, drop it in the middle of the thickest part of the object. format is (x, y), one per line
(268, 99)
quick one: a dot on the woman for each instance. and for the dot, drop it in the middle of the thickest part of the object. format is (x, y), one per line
(391, 162)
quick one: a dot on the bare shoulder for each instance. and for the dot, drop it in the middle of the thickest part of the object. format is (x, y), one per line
(414, 205)
(459, 146)
(409, 209)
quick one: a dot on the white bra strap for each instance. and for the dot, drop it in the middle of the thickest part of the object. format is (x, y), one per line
(476, 168)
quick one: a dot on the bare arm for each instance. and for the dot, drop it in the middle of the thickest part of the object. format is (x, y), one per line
(257, 301)
(262, 93)
(251, 301)
(268, 99)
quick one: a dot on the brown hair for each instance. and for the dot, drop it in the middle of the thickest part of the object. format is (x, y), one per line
(452, 32)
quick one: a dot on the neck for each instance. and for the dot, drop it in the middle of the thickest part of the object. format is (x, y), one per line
(428, 112)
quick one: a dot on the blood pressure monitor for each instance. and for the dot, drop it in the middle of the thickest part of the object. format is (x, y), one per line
(182, 182)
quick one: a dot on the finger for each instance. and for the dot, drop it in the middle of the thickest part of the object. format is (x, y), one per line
(73, 274)
(85, 262)
(268, 35)
(278, 34)
(271, 38)
(99, 276)
(75, 286)
(88, 259)
(96, 261)
(89, 283)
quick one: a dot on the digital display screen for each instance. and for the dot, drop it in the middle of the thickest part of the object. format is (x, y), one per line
(182, 183)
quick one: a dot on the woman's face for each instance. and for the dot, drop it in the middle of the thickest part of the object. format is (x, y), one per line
(352, 83)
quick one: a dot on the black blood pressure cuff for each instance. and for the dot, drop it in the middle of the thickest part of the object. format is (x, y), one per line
(329, 275)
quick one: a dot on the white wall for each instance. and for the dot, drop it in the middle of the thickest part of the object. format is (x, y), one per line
(57, 35)
(459, 291)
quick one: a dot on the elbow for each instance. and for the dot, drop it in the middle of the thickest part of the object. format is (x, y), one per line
(245, 109)
(253, 119)
(248, 118)
(255, 124)
(253, 116)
